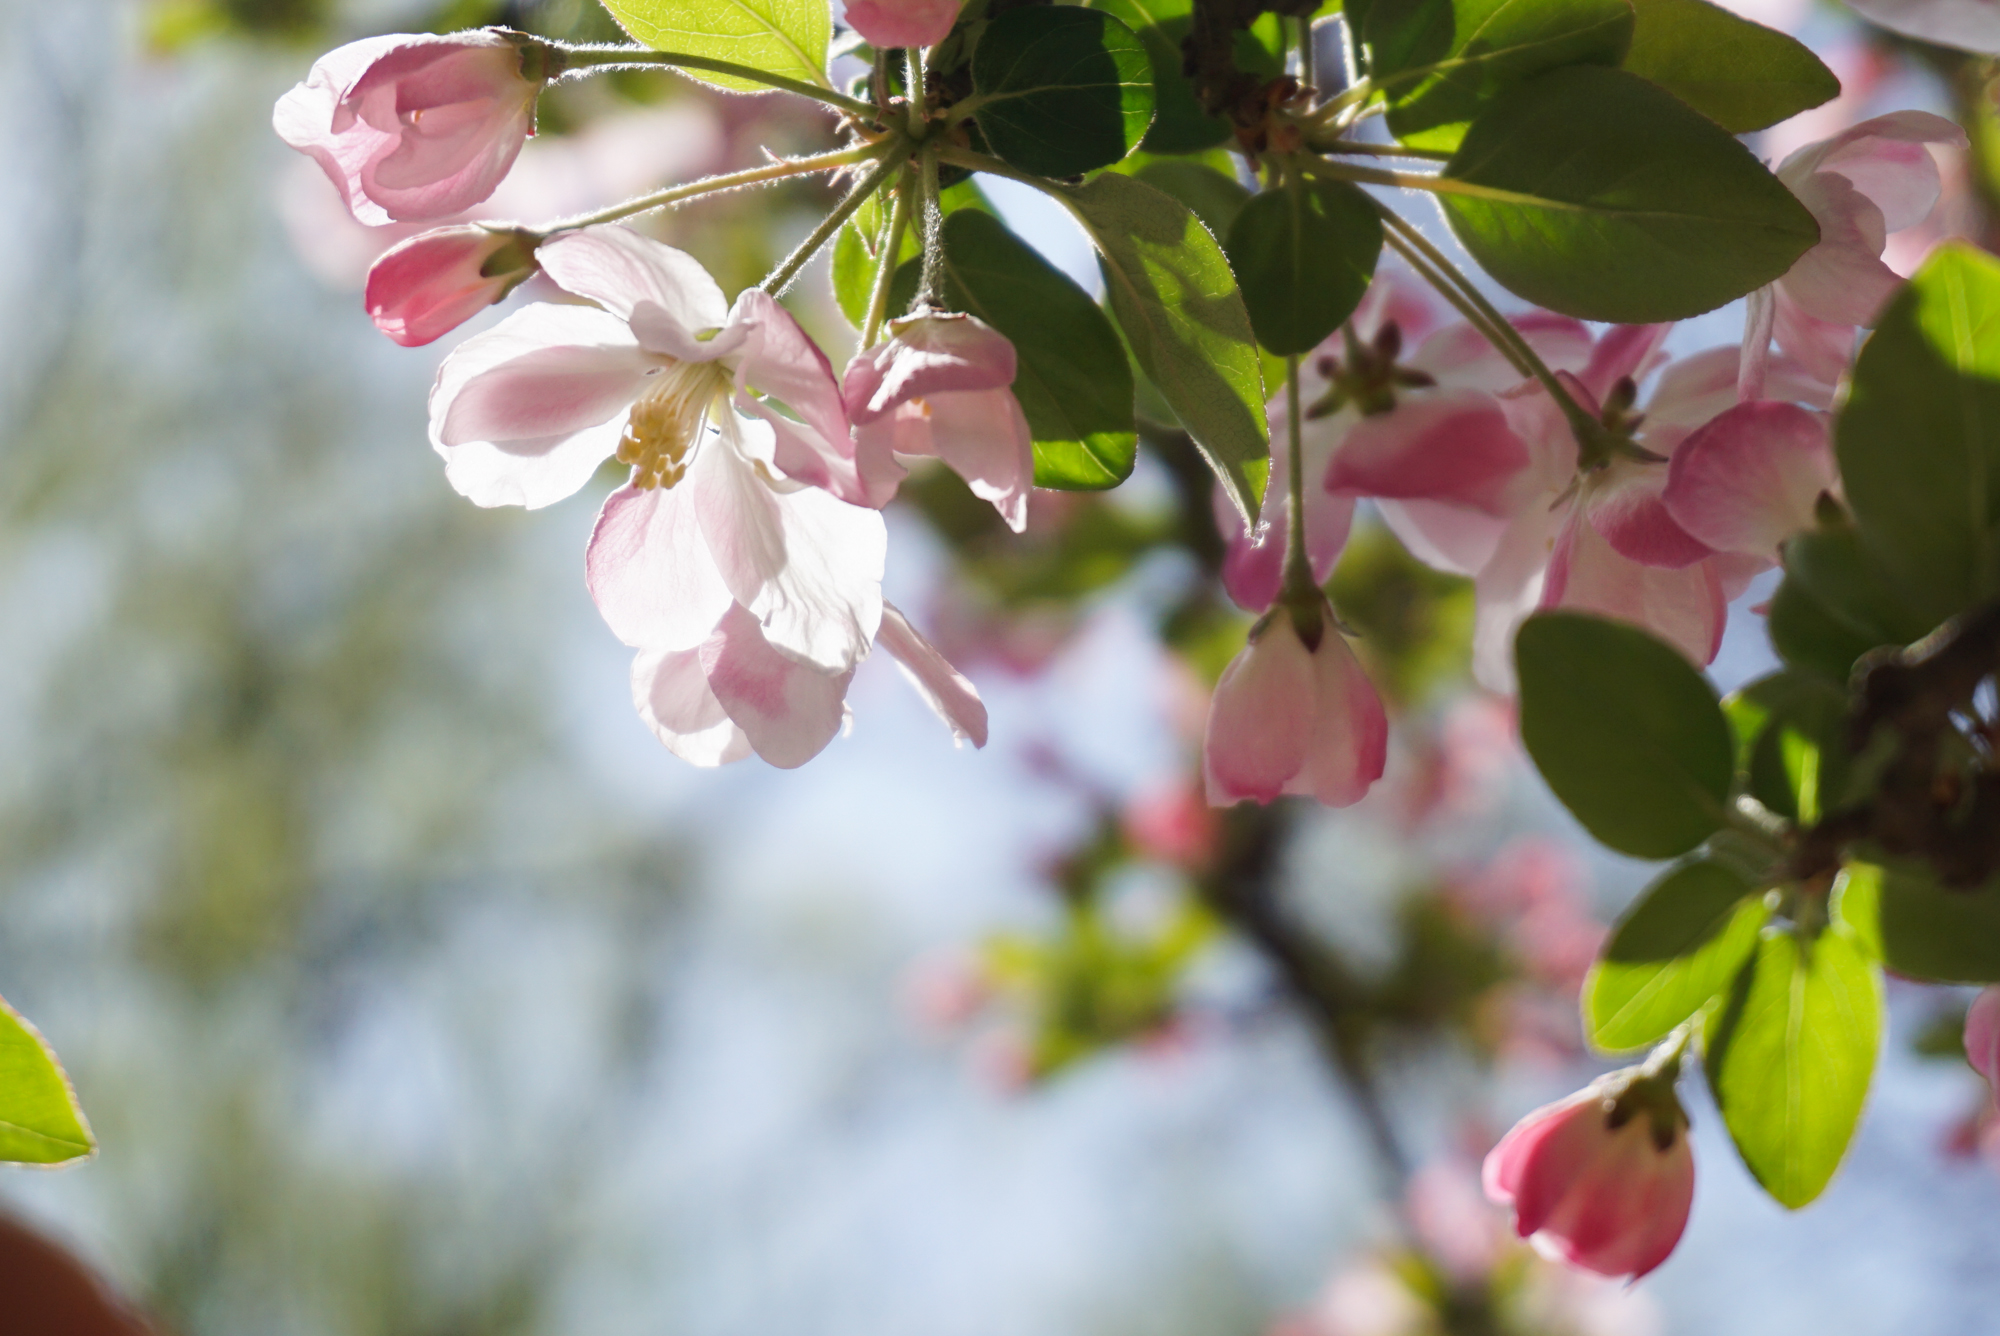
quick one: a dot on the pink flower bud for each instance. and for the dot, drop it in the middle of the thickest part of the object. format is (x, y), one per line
(1601, 1180)
(1291, 719)
(433, 283)
(415, 127)
(892, 23)
(1982, 1035)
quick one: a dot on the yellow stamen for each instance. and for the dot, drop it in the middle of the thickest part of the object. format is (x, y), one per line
(661, 433)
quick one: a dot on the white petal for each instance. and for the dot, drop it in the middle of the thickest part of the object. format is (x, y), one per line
(623, 271)
(942, 686)
(650, 572)
(670, 690)
(789, 710)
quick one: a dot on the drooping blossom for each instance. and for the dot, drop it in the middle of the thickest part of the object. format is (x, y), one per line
(414, 127)
(727, 504)
(1752, 476)
(431, 284)
(1869, 180)
(1982, 1035)
(892, 23)
(1602, 1180)
(736, 693)
(1293, 717)
(939, 386)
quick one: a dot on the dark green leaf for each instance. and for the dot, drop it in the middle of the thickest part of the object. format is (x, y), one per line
(1741, 75)
(1072, 379)
(1175, 299)
(1808, 635)
(1790, 1055)
(1791, 750)
(1676, 948)
(1626, 731)
(1438, 61)
(1919, 439)
(1933, 933)
(1595, 193)
(787, 37)
(1061, 90)
(39, 1120)
(1848, 577)
(1304, 256)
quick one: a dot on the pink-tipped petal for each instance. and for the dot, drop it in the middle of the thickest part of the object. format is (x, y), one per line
(1751, 478)
(1454, 447)
(1460, 357)
(649, 570)
(1539, 1155)
(788, 709)
(1842, 279)
(802, 454)
(1982, 1035)
(1886, 160)
(1683, 607)
(887, 24)
(984, 437)
(643, 282)
(1624, 352)
(1259, 721)
(671, 693)
(942, 686)
(431, 284)
(1624, 504)
(1446, 538)
(1349, 743)
(927, 354)
(780, 359)
(1822, 349)
(544, 371)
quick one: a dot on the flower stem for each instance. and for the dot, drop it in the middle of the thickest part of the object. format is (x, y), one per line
(636, 57)
(930, 292)
(776, 171)
(778, 279)
(1299, 581)
(1352, 147)
(886, 263)
(1414, 258)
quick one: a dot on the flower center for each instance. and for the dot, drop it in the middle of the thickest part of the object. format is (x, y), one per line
(660, 434)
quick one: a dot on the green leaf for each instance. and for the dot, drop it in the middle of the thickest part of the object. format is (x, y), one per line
(1791, 751)
(1850, 579)
(854, 249)
(1214, 198)
(1932, 933)
(1597, 194)
(1171, 290)
(1790, 1055)
(1061, 90)
(40, 1122)
(1304, 256)
(1438, 61)
(1671, 954)
(1919, 439)
(1810, 636)
(1072, 380)
(787, 37)
(1739, 74)
(1626, 731)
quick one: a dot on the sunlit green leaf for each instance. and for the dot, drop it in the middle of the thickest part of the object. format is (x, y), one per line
(1790, 732)
(1593, 192)
(787, 37)
(1626, 731)
(1741, 75)
(40, 1122)
(1675, 949)
(1790, 1055)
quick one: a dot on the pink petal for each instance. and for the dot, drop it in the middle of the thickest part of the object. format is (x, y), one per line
(1842, 279)
(1982, 1035)
(1509, 587)
(1349, 743)
(1460, 357)
(788, 709)
(780, 360)
(1886, 160)
(1506, 1165)
(1684, 607)
(634, 276)
(802, 454)
(1253, 564)
(1822, 348)
(887, 24)
(984, 437)
(649, 570)
(1446, 538)
(926, 355)
(1624, 504)
(942, 686)
(670, 690)
(304, 116)
(1453, 447)
(1625, 351)
(431, 284)
(1751, 478)
(1626, 1205)
(1557, 1146)
(1259, 721)
(545, 371)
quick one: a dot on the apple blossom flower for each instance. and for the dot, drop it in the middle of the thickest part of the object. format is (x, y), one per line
(414, 127)
(939, 385)
(1294, 713)
(736, 693)
(1602, 1180)
(431, 284)
(726, 504)
(1751, 477)
(891, 23)
(1869, 180)
(1982, 1035)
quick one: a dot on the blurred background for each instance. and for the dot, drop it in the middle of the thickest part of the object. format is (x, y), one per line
(411, 987)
